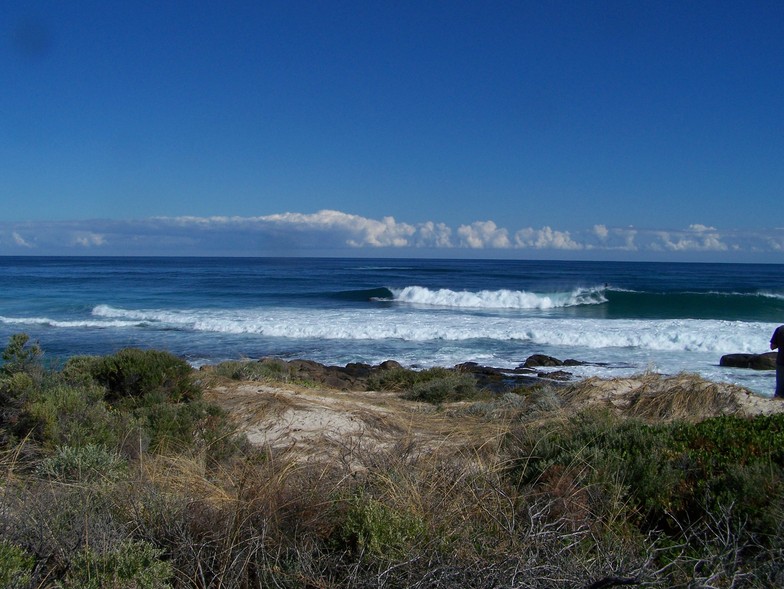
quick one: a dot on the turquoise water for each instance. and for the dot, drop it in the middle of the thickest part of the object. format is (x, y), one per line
(629, 316)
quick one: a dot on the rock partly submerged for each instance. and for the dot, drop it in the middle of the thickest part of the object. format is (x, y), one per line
(766, 361)
(356, 376)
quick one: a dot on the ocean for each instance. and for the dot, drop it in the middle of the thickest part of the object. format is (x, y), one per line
(623, 318)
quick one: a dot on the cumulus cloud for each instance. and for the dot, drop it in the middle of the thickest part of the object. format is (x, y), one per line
(331, 232)
(696, 238)
(601, 232)
(699, 228)
(432, 234)
(546, 238)
(88, 239)
(482, 234)
(360, 231)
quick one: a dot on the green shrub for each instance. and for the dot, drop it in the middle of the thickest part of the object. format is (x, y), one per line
(18, 356)
(16, 566)
(197, 425)
(394, 379)
(375, 528)
(131, 565)
(79, 370)
(60, 414)
(16, 385)
(669, 474)
(80, 465)
(248, 370)
(452, 386)
(134, 373)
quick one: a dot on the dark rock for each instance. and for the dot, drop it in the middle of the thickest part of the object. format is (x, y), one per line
(356, 375)
(573, 362)
(522, 370)
(560, 375)
(541, 360)
(358, 369)
(272, 361)
(390, 365)
(474, 368)
(766, 361)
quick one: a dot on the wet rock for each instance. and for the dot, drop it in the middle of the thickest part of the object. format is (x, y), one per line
(766, 361)
(559, 375)
(538, 360)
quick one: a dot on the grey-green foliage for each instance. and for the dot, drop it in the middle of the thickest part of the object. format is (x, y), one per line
(249, 370)
(453, 386)
(433, 385)
(375, 528)
(86, 464)
(19, 355)
(16, 566)
(134, 373)
(62, 414)
(132, 565)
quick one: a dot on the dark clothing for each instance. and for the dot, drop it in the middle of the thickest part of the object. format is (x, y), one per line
(779, 381)
(777, 343)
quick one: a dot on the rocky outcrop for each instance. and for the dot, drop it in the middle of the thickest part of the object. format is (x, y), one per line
(542, 360)
(351, 377)
(766, 361)
(357, 376)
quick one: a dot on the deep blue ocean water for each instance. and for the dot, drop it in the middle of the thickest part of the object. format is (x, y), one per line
(632, 317)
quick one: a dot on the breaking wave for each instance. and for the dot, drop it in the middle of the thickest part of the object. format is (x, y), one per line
(693, 335)
(497, 299)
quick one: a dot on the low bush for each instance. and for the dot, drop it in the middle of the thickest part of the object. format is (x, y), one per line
(136, 565)
(394, 379)
(20, 355)
(16, 566)
(249, 370)
(372, 527)
(452, 386)
(133, 373)
(669, 476)
(61, 414)
(82, 465)
(79, 370)
(197, 425)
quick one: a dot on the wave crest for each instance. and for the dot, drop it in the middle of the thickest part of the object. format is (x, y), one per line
(498, 299)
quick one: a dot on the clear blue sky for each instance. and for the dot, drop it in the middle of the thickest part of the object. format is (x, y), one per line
(599, 130)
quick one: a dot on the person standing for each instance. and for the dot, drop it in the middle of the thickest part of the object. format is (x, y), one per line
(777, 343)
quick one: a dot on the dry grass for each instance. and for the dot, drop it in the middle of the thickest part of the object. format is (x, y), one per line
(659, 398)
(683, 397)
(368, 490)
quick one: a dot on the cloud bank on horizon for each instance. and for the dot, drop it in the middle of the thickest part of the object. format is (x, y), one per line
(339, 233)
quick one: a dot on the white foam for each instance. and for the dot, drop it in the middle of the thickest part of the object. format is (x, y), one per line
(498, 299)
(46, 321)
(672, 335)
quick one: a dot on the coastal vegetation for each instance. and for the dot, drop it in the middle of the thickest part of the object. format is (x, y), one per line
(133, 470)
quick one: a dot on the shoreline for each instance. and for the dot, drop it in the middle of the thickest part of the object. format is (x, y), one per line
(323, 402)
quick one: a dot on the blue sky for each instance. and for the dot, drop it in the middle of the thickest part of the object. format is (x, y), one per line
(594, 130)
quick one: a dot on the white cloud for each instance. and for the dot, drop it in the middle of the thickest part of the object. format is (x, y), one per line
(330, 232)
(601, 231)
(432, 234)
(352, 230)
(481, 234)
(699, 228)
(546, 238)
(88, 239)
(19, 240)
(687, 241)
